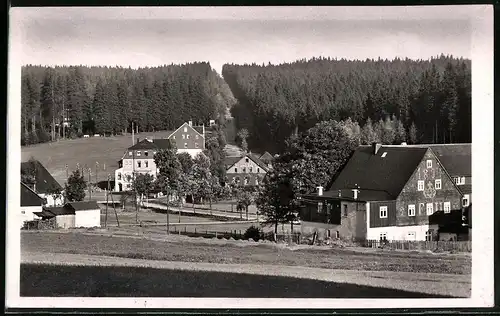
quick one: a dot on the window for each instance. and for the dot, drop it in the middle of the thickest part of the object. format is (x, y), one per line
(138, 154)
(383, 236)
(258, 170)
(23, 212)
(465, 200)
(256, 181)
(154, 153)
(195, 136)
(430, 209)
(244, 170)
(250, 169)
(246, 181)
(235, 170)
(320, 207)
(411, 236)
(383, 211)
(411, 210)
(185, 145)
(428, 235)
(173, 137)
(462, 180)
(421, 208)
(337, 234)
(130, 153)
(447, 207)
(384, 154)
(429, 164)
(145, 164)
(234, 180)
(345, 209)
(237, 180)
(420, 185)
(437, 184)
(459, 180)
(183, 136)
(146, 154)
(185, 129)
(187, 136)
(138, 164)
(196, 145)
(119, 176)
(246, 160)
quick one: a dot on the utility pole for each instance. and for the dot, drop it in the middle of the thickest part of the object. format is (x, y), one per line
(67, 175)
(133, 134)
(96, 170)
(90, 185)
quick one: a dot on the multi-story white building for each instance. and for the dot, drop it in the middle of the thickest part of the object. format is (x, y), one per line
(139, 158)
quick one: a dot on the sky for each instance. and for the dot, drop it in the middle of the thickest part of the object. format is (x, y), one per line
(139, 37)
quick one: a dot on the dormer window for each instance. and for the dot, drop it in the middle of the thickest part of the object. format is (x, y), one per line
(384, 154)
(429, 164)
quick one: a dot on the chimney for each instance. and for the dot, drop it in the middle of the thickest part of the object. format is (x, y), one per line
(320, 190)
(355, 192)
(190, 123)
(403, 144)
(376, 147)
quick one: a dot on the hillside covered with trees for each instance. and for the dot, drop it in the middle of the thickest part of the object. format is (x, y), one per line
(106, 100)
(420, 101)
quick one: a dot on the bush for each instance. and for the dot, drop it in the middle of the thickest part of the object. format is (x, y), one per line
(253, 232)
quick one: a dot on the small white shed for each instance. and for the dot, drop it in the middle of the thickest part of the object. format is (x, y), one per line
(87, 213)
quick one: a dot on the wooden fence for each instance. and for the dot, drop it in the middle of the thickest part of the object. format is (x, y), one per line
(460, 246)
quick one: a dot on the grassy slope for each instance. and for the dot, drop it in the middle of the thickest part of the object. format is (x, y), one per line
(95, 281)
(179, 250)
(85, 151)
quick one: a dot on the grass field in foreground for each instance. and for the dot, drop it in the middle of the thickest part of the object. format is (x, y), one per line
(242, 252)
(95, 281)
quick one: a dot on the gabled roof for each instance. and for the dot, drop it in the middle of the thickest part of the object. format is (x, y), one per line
(29, 197)
(44, 214)
(455, 158)
(158, 143)
(44, 180)
(198, 129)
(377, 177)
(82, 206)
(266, 157)
(231, 161)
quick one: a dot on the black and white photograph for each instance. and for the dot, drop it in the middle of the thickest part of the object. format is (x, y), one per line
(250, 157)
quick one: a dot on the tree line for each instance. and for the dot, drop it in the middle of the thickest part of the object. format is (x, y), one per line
(69, 101)
(430, 98)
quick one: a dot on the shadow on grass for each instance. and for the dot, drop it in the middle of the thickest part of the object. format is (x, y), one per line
(93, 281)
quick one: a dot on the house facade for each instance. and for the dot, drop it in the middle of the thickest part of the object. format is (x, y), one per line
(31, 203)
(139, 158)
(402, 192)
(39, 179)
(247, 169)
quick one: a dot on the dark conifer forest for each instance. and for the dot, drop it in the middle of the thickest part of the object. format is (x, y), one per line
(428, 101)
(106, 100)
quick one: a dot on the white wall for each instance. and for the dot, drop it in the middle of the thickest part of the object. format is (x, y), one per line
(26, 213)
(59, 201)
(400, 232)
(88, 218)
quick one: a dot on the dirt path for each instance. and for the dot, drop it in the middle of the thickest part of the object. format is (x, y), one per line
(430, 283)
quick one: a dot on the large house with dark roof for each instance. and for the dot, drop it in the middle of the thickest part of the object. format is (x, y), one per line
(139, 158)
(388, 192)
(39, 179)
(247, 169)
